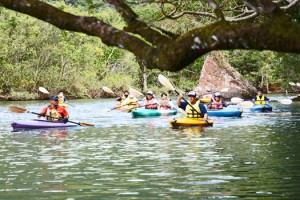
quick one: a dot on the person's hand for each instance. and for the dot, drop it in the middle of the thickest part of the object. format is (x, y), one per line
(64, 120)
(41, 115)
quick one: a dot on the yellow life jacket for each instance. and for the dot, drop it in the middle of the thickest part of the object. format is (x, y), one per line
(52, 113)
(191, 113)
(123, 98)
(61, 100)
(132, 103)
(260, 100)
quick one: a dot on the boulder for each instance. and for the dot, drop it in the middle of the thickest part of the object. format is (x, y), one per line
(218, 74)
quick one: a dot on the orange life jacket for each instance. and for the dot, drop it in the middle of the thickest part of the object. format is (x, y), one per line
(149, 104)
(216, 106)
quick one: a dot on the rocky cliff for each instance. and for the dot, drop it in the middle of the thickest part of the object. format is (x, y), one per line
(217, 74)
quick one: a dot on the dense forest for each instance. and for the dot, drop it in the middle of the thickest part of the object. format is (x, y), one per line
(34, 53)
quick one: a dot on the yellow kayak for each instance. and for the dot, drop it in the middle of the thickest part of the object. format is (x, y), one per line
(187, 122)
(207, 100)
(65, 105)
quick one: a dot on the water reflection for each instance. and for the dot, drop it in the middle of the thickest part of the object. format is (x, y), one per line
(256, 156)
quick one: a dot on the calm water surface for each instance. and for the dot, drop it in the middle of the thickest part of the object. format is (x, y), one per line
(256, 156)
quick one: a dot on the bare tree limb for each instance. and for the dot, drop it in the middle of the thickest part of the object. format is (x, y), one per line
(293, 3)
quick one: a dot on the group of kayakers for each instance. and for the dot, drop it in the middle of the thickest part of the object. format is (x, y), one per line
(150, 102)
(193, 107)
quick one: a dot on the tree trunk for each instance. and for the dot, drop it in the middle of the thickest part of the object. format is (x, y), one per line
(143, 75)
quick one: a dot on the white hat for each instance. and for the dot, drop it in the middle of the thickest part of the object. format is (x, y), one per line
(150, 92)
(192, 93)
(131, 96)
(217, 94)
(208, 90)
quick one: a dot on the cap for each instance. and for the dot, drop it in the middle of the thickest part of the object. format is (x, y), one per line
(53, 98)
(192, 94)
(131, 96)
(208, 90)
(217, 94)
(259, 90)
(150, 92)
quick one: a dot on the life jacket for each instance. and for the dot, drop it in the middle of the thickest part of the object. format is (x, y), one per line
(216, 106)
(260, 100)
(61, 100)
(52, 113)
(123, 98)
(132, 103)
(149, 104)
(164, 105)
(191, 113)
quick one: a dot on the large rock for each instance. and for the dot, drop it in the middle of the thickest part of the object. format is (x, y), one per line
(217, 74)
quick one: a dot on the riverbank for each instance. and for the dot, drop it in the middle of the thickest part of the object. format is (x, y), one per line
(26, 96)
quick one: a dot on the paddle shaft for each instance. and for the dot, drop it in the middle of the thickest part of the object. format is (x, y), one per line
(53, 117)
(188, 103)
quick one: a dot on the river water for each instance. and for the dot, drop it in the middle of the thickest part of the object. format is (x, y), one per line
(256, 156)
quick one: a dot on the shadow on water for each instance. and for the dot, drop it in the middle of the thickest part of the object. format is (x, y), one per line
(255, 156)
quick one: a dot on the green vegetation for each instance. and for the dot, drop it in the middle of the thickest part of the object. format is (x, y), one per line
(34, 53)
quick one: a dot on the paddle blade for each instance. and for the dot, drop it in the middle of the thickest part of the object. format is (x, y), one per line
(85, 124)
(292, 83)
(165, 82)
(135, 92)
(236, 100)
(108, 90)
(17, 109)
(246, 104)
(298, 84)
(43, 90)
(285, 101)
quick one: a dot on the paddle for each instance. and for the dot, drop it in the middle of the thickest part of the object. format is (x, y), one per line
(135, 92)
(17, 109)
(292, 83)
(108, 90)
(45, 91)
(165, 82)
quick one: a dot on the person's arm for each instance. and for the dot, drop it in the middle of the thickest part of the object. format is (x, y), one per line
(203, 111)
(43, 112)
(224, 104)
(267, 100)
(254, 99)
(65, 100)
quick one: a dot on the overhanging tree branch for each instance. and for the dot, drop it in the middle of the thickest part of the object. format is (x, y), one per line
(274, 31)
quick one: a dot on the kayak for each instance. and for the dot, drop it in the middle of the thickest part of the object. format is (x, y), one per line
(261, 108)
(39, 124)
(205, 100)
(152, 112)
(188, 122)
(225, 112)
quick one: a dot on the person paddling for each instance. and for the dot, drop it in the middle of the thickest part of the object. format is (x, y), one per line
(61, 98)
(208, 94)
(125, 96)
(217, 102)
(150, 102)
(131, 101)
(55, 112)
(195, 109)
(165, 103)
(260, 98)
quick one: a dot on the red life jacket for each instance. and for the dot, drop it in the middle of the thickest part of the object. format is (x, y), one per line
(215, 106)
(148, 102)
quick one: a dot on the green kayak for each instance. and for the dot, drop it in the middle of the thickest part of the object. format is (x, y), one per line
(152, 112)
